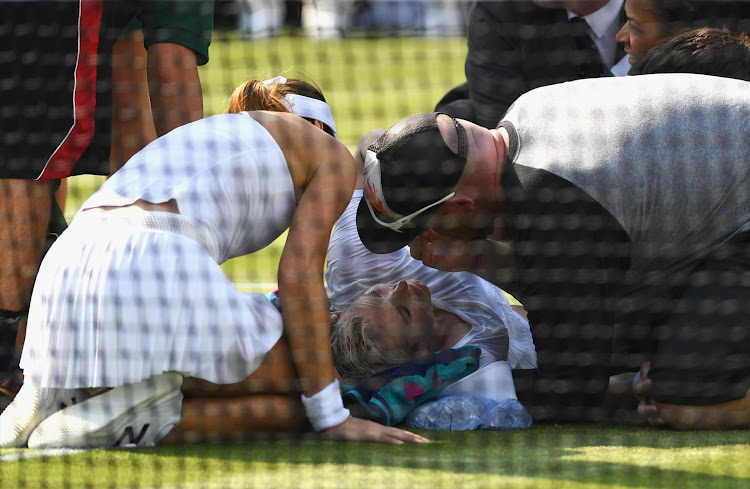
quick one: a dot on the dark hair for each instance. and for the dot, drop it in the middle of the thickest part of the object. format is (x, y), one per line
(693, 14)
(256, 95)
(707, 51)
(679, 14)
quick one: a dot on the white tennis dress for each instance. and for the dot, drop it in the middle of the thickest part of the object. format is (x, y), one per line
(127, 294)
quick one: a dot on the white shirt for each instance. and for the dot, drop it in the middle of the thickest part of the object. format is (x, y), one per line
(603, 27)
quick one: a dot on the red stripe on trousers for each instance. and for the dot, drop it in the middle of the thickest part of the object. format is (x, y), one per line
(79, 136)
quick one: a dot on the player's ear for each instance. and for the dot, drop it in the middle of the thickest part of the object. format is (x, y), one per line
(335, 315)
(460, 202)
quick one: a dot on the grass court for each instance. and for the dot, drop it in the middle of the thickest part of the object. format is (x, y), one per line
(373, 83)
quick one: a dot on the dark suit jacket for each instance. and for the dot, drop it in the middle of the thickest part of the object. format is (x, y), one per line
(515, 46)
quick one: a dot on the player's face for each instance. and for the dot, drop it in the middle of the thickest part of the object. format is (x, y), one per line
(406, 315)
(643, 29)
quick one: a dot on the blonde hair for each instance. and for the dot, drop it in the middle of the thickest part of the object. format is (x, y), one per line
(356, 344)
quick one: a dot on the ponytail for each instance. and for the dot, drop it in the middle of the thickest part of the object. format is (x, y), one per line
(255, 95)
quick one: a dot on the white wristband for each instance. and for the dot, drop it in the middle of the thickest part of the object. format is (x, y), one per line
(326, 408)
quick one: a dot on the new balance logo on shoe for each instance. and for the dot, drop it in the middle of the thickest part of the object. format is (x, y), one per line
(130, 435)
(73, 402)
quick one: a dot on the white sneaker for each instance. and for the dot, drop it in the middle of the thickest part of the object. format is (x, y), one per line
(31, 406)
(129, 415)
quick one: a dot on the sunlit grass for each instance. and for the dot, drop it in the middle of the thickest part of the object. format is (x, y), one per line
(541, 457)
(373, 83)
(369, 83)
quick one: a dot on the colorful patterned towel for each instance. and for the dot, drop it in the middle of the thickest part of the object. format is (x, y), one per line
(388, 396)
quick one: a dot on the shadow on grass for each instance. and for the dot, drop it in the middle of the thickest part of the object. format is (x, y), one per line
(592, 454)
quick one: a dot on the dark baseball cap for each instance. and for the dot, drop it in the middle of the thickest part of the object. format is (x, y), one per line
(409, 172)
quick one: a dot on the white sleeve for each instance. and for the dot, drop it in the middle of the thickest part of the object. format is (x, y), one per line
(351, 269)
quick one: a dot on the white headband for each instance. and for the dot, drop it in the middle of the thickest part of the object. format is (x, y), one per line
(308, 107)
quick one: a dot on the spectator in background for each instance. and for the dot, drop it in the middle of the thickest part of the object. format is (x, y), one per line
(260, 19)
(375, 18)
(515, 46)
(67, 48)
(709, 51)
(652, 21)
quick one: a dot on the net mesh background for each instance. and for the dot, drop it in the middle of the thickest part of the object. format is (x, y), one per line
(376, 63)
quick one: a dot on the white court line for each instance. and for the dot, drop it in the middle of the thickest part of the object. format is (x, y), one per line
(26, 454)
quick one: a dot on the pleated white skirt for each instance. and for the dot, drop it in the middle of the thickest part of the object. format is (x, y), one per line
(117, 302)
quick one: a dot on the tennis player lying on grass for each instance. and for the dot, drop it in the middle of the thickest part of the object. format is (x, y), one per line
(397, 309)
(457, 308)
(132, 297)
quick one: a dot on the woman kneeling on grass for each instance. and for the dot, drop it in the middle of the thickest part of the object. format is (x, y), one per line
(132, 296)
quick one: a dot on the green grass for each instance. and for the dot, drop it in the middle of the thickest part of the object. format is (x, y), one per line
(369, 83)
(541, 457)
(373, 83)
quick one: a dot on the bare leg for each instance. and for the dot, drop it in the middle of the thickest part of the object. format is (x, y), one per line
(24, 217)
(725, 416)
(731, 415)
(222, 419)
(276, 375)
(268, 401)
(132, 122)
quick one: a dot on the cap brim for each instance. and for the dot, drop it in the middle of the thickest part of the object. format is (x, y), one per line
(380, 239)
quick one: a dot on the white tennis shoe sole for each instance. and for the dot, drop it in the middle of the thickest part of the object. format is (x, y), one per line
(31, 406)
(130, 415)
